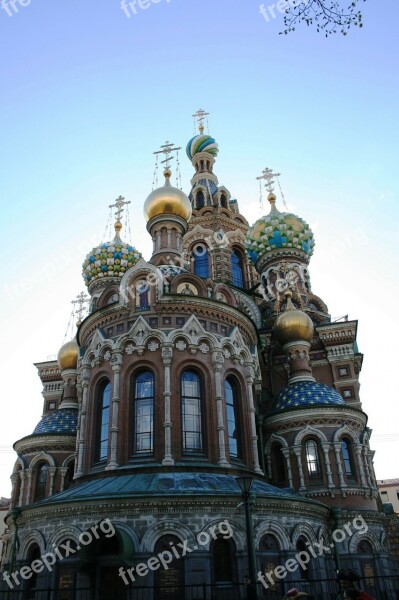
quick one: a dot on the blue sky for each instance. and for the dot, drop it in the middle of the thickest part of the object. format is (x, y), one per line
(88, 94)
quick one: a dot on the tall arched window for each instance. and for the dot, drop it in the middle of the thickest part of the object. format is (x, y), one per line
(41, 481)
(104, 402)
(304, 571)
(270, 556)
(278, 465)
(233, 417)
(191, 412)
(312, 459)
(143, 411)
(223, 201)
(33, 554)
(201, 261)
(69, 475)
(237, 273)
(223, 561)
(346, 457)
(200, 200)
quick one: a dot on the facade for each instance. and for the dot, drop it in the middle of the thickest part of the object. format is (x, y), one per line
(389, 492)
(4, 509)
(212, 360)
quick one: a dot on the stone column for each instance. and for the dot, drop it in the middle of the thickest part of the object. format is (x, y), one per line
(250, 377)
(370, 456)
(298, 452)
(167, 354)
(116, 365)
(169, 234)
(326, 450)
(63, 471)
(14, 478)
(337, 450)
(22, 475)
(366, 464)
(83, 415)
(52, 471)
(358, 450)
(217, 361)
(287, 455)
(29, 472)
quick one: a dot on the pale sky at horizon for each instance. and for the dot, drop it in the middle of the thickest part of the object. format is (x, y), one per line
(87, 96)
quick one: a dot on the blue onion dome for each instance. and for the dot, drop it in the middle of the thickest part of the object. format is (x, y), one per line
(303, 394)
(62, 422)
(109, 260)
(201, 143)
(277, 231)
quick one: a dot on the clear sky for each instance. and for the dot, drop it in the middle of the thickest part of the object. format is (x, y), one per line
(87, 94)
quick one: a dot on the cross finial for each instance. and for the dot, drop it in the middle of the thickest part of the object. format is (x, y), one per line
(167, 149)
(269, 177)
(199, 117)
(119, 205)
(81, 300)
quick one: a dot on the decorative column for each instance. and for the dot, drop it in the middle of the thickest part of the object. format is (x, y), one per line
(85, 378)
(337, 450)
(287, 455)
(298, 452)
(116, 365)
(217, 361)
(22, 475)
(326, 450)
(14, 478)
(366, 464)
(370, 456)
(29, 491)
(52, 471)
(358, 450)
(63, 471)
(250, 377)
(167, 354)
(269, 467)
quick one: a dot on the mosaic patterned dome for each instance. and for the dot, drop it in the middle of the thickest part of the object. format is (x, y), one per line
(62, 421)
(278, 230)
(201, 143)
(111, 259)
(304, 394)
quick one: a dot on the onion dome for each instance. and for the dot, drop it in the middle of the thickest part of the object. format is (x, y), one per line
(62, 422)
(278, 231)
(109, 260)
(167, 200)
(68, 355)
(303, 394)
(201, 143)
(293, 325)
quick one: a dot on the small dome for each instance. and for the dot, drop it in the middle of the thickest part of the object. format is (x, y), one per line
(303, 394)
(109, 260)
(293, 325)
(167, 200)
(201, 143)
(277, 231)
(62, 421)
(68, 355)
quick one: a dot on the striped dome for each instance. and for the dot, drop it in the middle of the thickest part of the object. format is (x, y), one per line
(201, 143)
(304, 394)
(63, 421)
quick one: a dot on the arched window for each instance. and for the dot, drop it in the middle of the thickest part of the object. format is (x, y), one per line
(201, 261)
(69, 475)
(103, 403)
(278, 465)
(233, 417)
(41, 481)
(191, 412)
(31, 584)
(365, 550)
(143, 412)
(237, 274)
(223, 561)
(200, 200)
(223, 201)
(304, 571)
(270, 556)
(312, 459)
(346, 457)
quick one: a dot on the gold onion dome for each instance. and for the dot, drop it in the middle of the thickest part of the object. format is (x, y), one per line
(293, 325)
(68, 355)
(167, 200)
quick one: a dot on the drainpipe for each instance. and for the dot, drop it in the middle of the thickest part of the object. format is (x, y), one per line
(336, 515)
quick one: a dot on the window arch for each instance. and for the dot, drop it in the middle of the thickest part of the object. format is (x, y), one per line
(191, 402)
(237, 271)
(304, 571)
(201, 261)
(279, 470)
(347, 457)
(41, 481)
(223, 201)
(232, 396)
(270, 557)
(200, 200)
(103, 414)
(223, 555)
(312, 459)
(143, 412)
(31, 584)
